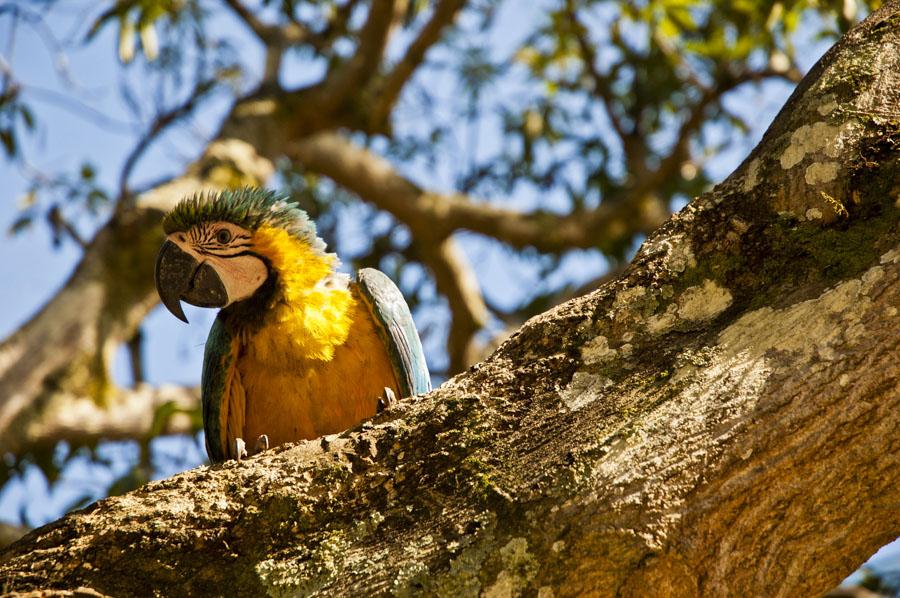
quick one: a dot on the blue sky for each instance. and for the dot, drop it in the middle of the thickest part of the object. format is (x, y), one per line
(33, 270)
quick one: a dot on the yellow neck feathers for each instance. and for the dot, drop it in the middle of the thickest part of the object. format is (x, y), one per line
(312, 317)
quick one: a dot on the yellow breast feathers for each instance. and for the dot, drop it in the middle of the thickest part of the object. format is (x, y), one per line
(314, 315)
(317, 365)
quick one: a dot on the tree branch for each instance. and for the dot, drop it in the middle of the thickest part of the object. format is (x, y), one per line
(456, 280)
(126, 415)
(135, 346)
(375, 180)
(601, 83)
(680, 151)
(263, 31)
(275, 38)
(269, 35)
(156, 128)
(390, 86)
(363, 65)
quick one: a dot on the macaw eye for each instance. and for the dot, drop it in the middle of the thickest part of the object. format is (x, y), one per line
(223, 236)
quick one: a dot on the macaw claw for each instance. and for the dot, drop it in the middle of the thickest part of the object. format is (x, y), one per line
(240, 449)
(387, 400)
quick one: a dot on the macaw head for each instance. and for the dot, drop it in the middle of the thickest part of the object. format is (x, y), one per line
(225, 248)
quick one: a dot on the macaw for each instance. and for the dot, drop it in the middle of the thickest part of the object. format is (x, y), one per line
(297, 350)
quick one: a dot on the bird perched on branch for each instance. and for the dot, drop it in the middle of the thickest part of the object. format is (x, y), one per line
(298, 350)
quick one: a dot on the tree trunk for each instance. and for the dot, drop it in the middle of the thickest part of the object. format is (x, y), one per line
(720, 420)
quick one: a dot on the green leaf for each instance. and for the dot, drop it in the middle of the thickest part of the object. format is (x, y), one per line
(27, 116)
(126, 40)
(8, 139)
(161, 417)
(668, 28)
(87, 171)
(22, 223)
(149, 41)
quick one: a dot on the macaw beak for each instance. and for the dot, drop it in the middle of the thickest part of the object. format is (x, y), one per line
(180, 277)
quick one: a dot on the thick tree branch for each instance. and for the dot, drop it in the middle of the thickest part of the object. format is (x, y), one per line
(375, 180)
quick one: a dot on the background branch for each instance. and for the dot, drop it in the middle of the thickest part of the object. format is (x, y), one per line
(389, 87)
(159, 125)
(266, 33)
(364, 63)
(456, 280)
(375, 180)
(126, 414)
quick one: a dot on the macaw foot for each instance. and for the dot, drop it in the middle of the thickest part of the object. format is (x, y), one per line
(240, 449)
(262, 444)
(387, 400)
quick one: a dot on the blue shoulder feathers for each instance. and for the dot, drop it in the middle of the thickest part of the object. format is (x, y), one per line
(397, 330)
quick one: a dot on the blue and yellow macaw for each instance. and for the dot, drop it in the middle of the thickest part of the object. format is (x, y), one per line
(298, 350)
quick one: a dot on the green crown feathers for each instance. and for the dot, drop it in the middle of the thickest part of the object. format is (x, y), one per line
(248, 207)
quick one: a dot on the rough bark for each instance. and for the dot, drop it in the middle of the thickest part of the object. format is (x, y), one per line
(720, 420)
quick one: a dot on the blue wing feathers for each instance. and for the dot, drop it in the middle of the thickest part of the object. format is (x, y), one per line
(217, 359)
(396, 324)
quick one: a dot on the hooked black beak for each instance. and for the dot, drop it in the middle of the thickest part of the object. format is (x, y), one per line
(180, 277)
